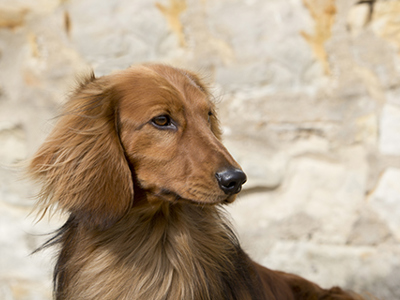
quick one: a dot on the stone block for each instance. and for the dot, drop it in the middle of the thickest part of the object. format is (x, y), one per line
(389, 131)
(13, 143)
(385, 200)
(328, 193)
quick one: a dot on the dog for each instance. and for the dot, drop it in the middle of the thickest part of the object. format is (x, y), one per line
(137, 164)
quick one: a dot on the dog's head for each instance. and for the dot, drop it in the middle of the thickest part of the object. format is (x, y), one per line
(152, 128)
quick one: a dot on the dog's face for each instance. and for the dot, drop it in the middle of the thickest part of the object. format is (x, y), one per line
(170, 134)
(151, 128)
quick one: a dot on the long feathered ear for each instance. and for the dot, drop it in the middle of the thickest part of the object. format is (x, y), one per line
(81, 165)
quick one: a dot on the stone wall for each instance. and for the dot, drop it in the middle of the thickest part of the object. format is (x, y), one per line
(309, 100)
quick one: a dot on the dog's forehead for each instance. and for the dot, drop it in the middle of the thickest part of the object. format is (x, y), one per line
(192, 94)
(150, 90)
(188, 85)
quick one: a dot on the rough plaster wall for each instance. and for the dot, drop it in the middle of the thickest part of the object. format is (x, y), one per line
(310, 107)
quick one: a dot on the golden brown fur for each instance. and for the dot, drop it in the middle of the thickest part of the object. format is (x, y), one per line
(136, 162)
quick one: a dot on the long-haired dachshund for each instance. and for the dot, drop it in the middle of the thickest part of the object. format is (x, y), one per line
(137, 164)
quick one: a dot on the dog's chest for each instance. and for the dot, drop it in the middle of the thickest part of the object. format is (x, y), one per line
(164, 259)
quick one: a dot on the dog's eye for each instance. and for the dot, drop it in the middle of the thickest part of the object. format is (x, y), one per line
(163, 122)
(210, 114)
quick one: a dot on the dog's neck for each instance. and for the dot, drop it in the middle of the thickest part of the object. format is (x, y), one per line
(157, 251)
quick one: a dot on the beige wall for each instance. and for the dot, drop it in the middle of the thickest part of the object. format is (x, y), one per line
(309, 102)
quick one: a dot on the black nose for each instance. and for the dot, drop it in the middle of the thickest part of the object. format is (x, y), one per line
(231, 180)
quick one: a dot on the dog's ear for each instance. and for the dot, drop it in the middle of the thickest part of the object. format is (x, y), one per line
(81, 165)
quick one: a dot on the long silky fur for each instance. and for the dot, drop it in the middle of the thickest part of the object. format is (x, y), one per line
(166, 251)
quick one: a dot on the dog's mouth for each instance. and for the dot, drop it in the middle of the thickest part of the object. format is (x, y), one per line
(173, 197)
